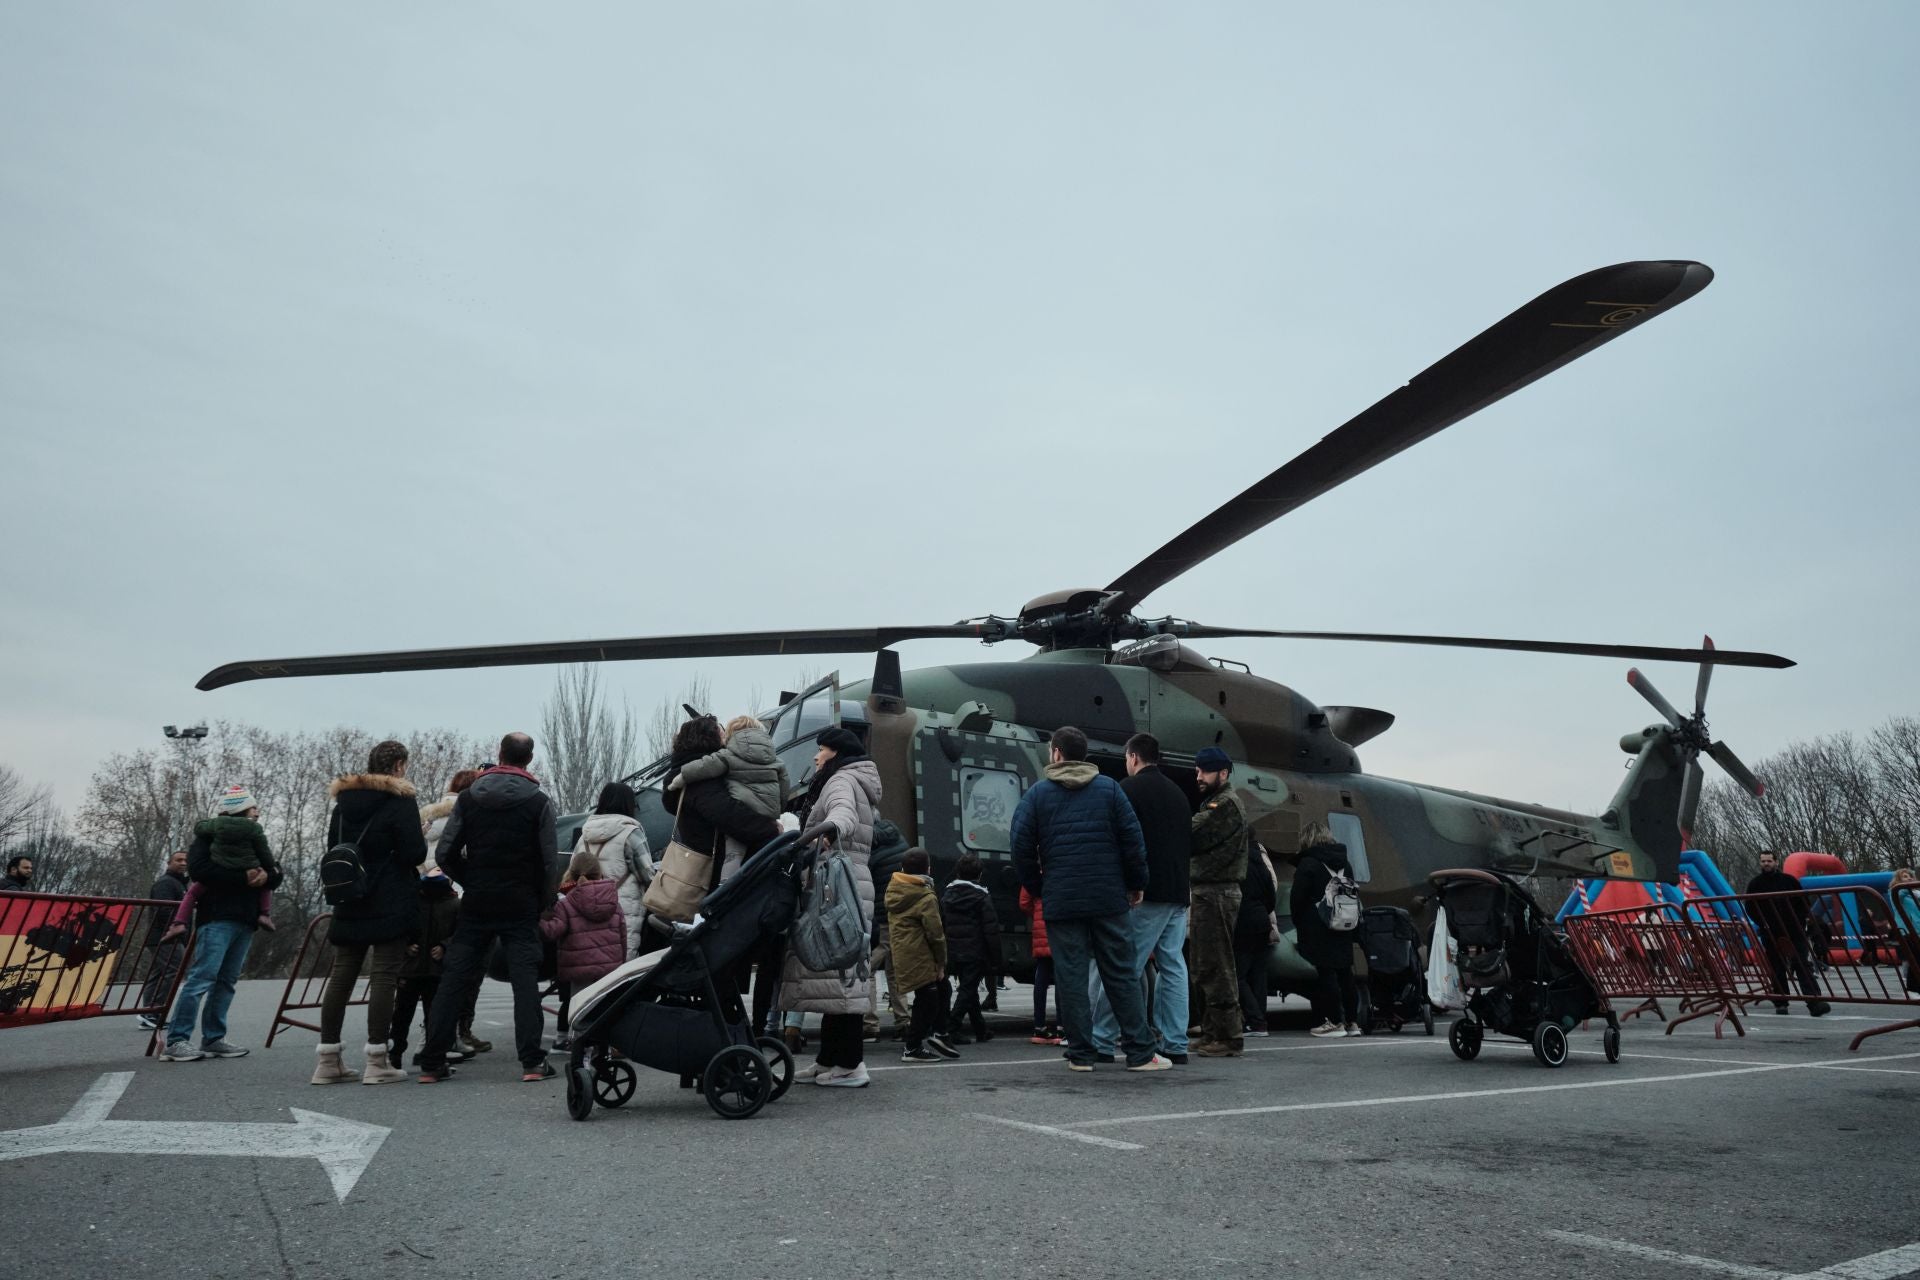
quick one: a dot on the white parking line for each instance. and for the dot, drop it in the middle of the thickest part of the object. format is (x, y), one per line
(1053, 1132)
(1885, 1265)
(1457, 1095)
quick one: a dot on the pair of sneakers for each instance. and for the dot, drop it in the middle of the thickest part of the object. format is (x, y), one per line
(933, 1049)
(1048, 1034)
(1330, 1030)
(183, 1051)
(817, 1072)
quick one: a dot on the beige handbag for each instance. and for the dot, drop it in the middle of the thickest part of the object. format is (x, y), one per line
(680, 879)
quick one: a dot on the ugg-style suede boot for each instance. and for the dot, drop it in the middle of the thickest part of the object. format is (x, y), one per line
(329, 1069)
(379, 1071)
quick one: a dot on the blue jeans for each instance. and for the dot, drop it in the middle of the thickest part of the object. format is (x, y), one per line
(1160, 935)
(1105, 943)
(219, 953)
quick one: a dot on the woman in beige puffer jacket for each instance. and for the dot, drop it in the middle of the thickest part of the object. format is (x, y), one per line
(845, 793)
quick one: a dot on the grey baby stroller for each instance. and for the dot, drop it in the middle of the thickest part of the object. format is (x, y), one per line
(679, 1011)
(1396, 990)
(1518, 971)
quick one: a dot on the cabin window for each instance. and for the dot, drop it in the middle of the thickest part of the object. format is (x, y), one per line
(1348, 831)
(988, 798)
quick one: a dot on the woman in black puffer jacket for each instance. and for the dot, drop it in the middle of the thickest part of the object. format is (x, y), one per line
(377, 812)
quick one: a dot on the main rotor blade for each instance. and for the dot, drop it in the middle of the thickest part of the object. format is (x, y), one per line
(724, 645)
(1634, 652)
(1690, 798)
(1644, 687)
(1559, 326)
(1723, 756)
(1706, 676)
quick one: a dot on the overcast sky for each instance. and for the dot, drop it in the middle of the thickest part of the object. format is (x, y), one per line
(348, 327)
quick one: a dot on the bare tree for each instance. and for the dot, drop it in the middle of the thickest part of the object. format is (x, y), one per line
(23, 806)
(583, 741)
(670, 714)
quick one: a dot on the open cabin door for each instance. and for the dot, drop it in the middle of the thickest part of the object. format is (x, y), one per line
(799, 721)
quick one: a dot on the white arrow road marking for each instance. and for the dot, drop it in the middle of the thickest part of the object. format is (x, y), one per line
(343, 1147)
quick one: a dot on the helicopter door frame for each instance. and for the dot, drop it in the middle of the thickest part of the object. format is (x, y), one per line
(1351, 830)
(804, 728)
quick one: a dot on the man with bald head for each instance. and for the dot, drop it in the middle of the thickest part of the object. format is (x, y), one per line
(499, 846)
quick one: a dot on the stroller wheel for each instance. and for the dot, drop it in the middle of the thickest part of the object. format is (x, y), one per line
(737, 1082)
(1610, 1041)
(1463, 1038)
(1550, 1044)
(580, 1092)
(614, 1082)
(775, 1052)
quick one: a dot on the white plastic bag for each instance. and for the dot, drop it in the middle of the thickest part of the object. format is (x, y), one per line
(1443, 973)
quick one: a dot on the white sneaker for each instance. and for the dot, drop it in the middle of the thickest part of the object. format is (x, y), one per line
(842, 1078)
(1155, 1063)
(1353, 1030)
(811, 1071)
(1328, 1029)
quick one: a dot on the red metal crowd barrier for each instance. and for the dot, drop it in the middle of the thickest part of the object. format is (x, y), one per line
(307, 981)
(1717, 955)
(69, 956)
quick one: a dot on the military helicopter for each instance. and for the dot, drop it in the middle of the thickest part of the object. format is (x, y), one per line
(957, 745)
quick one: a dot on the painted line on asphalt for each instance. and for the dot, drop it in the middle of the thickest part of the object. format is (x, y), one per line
(1651, 1254)
(1629, 1053)
(1056, 1061)
(1462, 1094)
(1885, 1265)
(1879, 1071)
(1052, 1132)
(97, 1103)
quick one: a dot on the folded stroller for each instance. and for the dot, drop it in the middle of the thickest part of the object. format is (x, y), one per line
(1396, 980)
(680, 1011)
(1517, 969)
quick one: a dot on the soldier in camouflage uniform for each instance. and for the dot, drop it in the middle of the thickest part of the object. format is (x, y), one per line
(1219, 865)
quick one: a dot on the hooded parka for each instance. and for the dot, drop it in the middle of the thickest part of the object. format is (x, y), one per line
(392, 849)
(915, 931)
(850, 801)
(621, 845)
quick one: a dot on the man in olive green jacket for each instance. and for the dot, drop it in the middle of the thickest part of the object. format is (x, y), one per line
(1219, 865)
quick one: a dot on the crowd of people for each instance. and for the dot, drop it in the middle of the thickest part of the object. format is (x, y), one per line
(1122, 882)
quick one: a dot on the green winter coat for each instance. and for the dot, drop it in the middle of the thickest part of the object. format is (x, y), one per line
(914, 931)
(1220, 840)
(238, 844)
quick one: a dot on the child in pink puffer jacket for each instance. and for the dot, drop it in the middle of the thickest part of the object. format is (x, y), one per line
(589, 928)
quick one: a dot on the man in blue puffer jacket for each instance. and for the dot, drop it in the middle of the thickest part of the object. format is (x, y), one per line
(1078, 848)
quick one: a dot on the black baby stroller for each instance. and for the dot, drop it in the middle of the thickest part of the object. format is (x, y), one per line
(1517, 968)
(676, 1010)
(1396, 991)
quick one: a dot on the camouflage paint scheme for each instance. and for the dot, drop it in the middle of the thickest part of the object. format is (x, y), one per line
(963, 742)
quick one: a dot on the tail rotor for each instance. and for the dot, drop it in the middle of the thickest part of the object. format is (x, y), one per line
(1690, 736)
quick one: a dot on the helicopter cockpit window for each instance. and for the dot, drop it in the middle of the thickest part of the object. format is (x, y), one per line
(988, 798)
(1348, 831)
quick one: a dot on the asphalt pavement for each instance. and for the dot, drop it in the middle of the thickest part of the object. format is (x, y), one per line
(1774, 1155)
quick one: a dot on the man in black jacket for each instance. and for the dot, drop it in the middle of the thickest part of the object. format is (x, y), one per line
(1160, 921)
(1782, 925)
(170, 887)
(224, 919)
(499, 846)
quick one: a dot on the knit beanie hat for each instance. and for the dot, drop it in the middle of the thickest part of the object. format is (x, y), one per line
(843, 742)
(233, 802)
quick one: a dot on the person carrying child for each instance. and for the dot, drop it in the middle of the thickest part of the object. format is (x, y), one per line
(973, 940)
(919, 943)
(426, 956)
(239, 845)
(1045, 1030)
(754, 776)
(590, 930)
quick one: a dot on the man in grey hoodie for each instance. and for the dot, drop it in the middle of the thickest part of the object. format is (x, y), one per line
(500, 846)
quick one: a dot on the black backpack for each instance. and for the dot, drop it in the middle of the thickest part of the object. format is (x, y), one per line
(343, 874)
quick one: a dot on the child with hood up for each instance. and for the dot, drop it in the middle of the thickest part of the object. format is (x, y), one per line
(590, 929)
(755, 777)
(919, 942)
(239, 843)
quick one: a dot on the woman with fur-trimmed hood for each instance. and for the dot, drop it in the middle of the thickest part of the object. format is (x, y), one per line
(376, 811)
